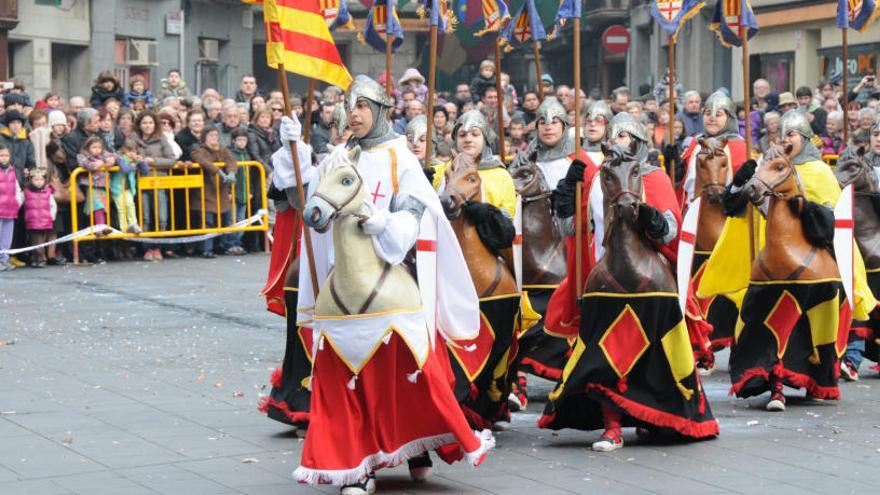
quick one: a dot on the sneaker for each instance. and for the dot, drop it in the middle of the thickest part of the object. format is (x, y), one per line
(14, 261)
(608, 443)
(777, 402)
(208, 255)
(420, 467)
(365, 487)
(501, 425)
(171, 254)
(848, 371)
(134, 229)
(6, 267)
(148, 256)
(705, 369)
(157, 255)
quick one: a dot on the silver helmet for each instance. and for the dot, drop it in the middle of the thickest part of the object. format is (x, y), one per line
(417, 128)
(364, 87)
(720, 101)
(470, 120)
(624, 122)
(796, 121)
(339, 119)
(600, 109)
(551, 109)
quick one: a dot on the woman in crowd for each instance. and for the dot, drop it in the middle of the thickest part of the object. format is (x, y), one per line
(156, 150)
(125, 122)
(216, 187)
(188, 138)
(262, 138)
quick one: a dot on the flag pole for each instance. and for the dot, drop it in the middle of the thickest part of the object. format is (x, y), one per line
(432, 70)
(307, 236)
(579, 195)
(747, 103)
(845, 41)
(670, 139)
(500, 105)
(310, 98)
(536, 50)
(389, 56)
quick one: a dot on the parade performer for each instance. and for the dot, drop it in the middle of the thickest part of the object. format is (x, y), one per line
(632, 363)
(795, 319)
(861, 169)
(416, 140)
(544, 242)
(479, 199)
(288, 401)
(379, 394)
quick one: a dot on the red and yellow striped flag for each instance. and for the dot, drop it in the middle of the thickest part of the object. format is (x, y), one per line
(298, 37)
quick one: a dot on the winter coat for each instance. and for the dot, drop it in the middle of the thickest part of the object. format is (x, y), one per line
(181, 91)
(93, 164)
(187, 142)
(39, 209)
(113, 140)
(72, 144)
(11, 196)
(261, 146)
(157, 148)
(241, 182)
(131, 96)
(206, 157)
(479, 85)
(21, 149)
(101, 95)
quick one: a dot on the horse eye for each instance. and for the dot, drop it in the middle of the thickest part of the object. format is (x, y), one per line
(347, 181)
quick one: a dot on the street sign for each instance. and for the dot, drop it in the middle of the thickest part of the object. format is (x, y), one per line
(615, 39)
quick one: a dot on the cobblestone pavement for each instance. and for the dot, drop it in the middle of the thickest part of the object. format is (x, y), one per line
(138, 378)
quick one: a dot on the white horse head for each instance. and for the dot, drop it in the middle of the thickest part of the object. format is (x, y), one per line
(340, 192)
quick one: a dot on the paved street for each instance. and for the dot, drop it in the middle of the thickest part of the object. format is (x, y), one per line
(137, 378)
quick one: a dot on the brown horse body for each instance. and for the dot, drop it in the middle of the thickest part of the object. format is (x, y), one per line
(544, 258)
(860, 174)
(787, 254)
(489, 272)
(630, 264)
(711, 178)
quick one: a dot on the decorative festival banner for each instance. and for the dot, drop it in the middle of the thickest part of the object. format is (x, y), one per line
(568, 9)
(672, 14)
(726, 22)
(382, 21)
(856, 14)
(526, 26)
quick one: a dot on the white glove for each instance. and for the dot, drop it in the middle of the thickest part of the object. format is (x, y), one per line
(373, 220)
(290, 130)
(283, 174)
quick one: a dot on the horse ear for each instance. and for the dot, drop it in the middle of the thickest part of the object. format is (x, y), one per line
(704, 143)
(722, 142)
(606, 148)
(861, 150)
(354, 154)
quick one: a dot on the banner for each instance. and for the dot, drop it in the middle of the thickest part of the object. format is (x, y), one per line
(726, 22)
(856, 14)
(672, 14)
(382, 21)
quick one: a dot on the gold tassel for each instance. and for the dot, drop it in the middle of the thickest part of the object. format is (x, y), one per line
(814, 358)
(686, 392)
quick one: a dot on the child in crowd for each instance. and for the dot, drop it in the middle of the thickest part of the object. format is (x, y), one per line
(11, 199)
(413, 80)
(485, 79)
(239, 150)
(39, 215)
(518, 134)
(94, 157)
(123, 185)
(138, 95)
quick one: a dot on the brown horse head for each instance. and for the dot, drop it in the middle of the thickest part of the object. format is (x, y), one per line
(463, 184)
(855, 170)
(712, 169)
(775, 177)
(528, 179)
(621, 178)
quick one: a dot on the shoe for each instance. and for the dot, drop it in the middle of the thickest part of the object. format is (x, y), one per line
(171, 254)
(777, 402)
(365, 487)
(518, 400)
(157, 255)
(647, 434)
(58, 261)
(501, 425)
(41, 264)
(608, 443)
(704, 369)
(134, 229)
(208, 255)
(420, 467)
(14, 261)
(7, 267)
(148, 256)
(848, 370)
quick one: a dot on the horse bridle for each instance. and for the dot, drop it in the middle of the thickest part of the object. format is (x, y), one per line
(771, 188)
(452, 189)
(338, 207)
(536, 177)
(714, 182)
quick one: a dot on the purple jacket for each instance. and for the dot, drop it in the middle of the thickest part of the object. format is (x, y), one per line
(9, 191)
(38, 209)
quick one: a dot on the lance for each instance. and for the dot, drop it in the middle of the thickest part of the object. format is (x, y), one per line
(432, 74)
(310, 99)
(536, 50)
(498, 89)
(579, 195)
(670, 138)
(389, 56)
(301, 192)
(747, 103)
(845, 34)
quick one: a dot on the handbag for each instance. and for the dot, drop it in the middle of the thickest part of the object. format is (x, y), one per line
(61, 191)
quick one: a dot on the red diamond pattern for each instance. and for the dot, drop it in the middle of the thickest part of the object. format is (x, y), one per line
(624, 342)
(782, 319)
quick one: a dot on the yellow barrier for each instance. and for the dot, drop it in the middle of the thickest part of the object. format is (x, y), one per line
(831, 160)
(181, 177)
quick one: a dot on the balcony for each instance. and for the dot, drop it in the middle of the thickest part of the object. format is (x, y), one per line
(603, 11)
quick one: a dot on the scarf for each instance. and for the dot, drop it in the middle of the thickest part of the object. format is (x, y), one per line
(808, 153)
(381, 131)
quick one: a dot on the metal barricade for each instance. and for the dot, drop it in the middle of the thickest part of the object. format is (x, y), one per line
(185, 178)
(831, 160)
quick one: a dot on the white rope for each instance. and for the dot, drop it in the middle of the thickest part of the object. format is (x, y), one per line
(256, 218)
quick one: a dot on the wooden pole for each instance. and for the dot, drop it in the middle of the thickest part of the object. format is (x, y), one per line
(845, 34)
(670, 139)
(301, 192)
(536, 50)
(389, 56)
(500, 105)
(579, 199)
(432, 74)
(747, 103)
(310, 99)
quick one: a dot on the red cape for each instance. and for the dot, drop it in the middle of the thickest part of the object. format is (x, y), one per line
(285, 249)
(738, 156)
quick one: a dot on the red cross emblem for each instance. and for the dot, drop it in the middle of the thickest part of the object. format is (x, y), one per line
(669, 8)
(376, 195)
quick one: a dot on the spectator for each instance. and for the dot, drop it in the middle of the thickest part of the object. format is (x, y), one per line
(462, 95)
(247, 89)
(832, 136)
(257, 103)
(173, 86)
(40, 210)
(761, 90)
(157, 152)
(123, 185)
(231, 120)
(262, 139)
(244, 114)
(518, 134)
(168, 123)
(864, 91)
(76, 104)
(107, 130)
(441, 119)
(276, 108)
(11, 199)
(619, 99)
(547, 84)
(451, 111)
(106, 87)
(15, 137)
(529, 109)
(787, 102)
(239, 151)
(771, 135)
(815, 114)
(484, 80)
(414, 108)
(125, 121)
(18, 89)
(94, 157)
(138, 92)
(867, 118)
(86, 126)
(321, 131)
(189, 138)
(415, 82)
(218, 180)
(691, 114)
(296, 106)
(36, 119)
(14, 101)
(52, 101)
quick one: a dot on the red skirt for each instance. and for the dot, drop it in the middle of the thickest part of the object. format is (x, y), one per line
(390, 412)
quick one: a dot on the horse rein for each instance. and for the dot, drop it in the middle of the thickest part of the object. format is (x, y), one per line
(339, 207)
(771, 188)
